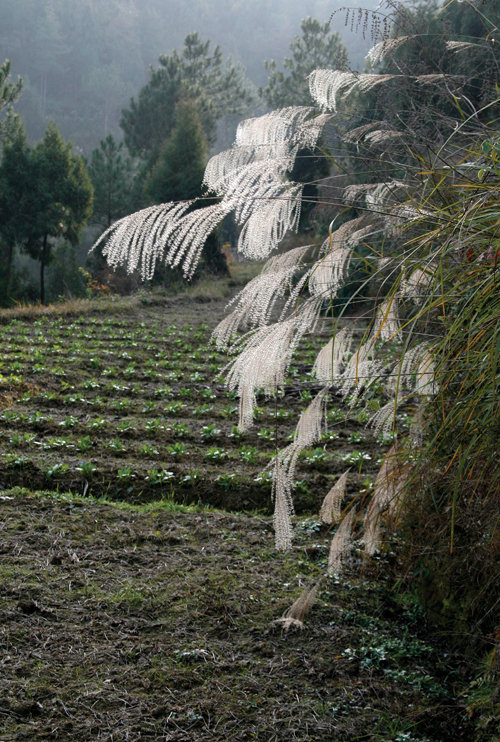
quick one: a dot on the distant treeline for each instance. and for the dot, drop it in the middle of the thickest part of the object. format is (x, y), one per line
(82, 60)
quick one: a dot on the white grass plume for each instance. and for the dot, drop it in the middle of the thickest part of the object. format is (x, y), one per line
(328, 86)
(264, 354)
(387, 326)
(331, 506)
(383, 420)
(414, 285)
(283, 508)
(187, 242)
(385, 48)
(138, 241)
(267, 226)
(294, 616)
(329, 361)
(255, 303)
(341, 543)
(387, 492)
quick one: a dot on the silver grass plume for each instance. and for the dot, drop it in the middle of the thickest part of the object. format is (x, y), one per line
(367, 82)
(361, 371)
(385, 48)
(221, 167)
(353, 192)
(341, 543)
(417, 426)
(387, 326)
(382, 136)
(432, 78)
(426, 376)
(283, 509)
(294, 616)
(331, 506)
(328, 273)
(329, 361)
(255, 303)
(418, 362)
(309, 429)
(263, 357)
(325, 86)
(264, 354)
(384, 419)
(272, 128)
(356, 134)
(387, 492)
(252, 182)
(458, 46)
(265, 228)
(312, 421)
(141, 239)
(187, 242)
(382, 193)
(415, 284)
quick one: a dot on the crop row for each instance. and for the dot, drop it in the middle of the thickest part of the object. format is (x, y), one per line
(134, 409)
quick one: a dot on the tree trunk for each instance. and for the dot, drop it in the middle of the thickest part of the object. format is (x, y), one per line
(8, 270)
(42, 270)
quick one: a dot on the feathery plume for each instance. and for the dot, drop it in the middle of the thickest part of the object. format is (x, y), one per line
(294, 616)
(327, 274)
(187, 242)
(382, 193)
(458, 46)
(414, 286)
(386, 47)
(417, 426)
(426, 375)
(341, 543)
(386, 326)
(312, 421)
(256, 301)
(140, 240)
(332, 504)
(283, 509)
(266, 227)
(354, 135)
(264, 354)
(387, 492)
(383, 420)
(309, 429)
(361, 371)
(273, 128)
(355, 191)
(382, 136)
(328, 364)
(326, 86)
(367, 82)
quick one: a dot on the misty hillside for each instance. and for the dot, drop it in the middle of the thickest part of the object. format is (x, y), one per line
(83, 60)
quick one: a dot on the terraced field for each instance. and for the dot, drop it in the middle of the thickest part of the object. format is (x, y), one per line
(130, 406)
(130, 609)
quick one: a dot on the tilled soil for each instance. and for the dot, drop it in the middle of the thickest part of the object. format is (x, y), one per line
(130, 624)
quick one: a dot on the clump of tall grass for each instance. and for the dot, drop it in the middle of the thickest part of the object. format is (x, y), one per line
(426, 235)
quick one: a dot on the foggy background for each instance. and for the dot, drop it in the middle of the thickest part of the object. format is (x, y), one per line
(82, 60)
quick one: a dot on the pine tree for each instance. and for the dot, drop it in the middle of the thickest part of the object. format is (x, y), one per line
(110, 171)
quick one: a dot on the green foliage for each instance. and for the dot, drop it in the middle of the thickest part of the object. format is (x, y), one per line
(45, 194)
(318, 47)
(110, 171)
(9, 91)
(178, 172)
(218, 87)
